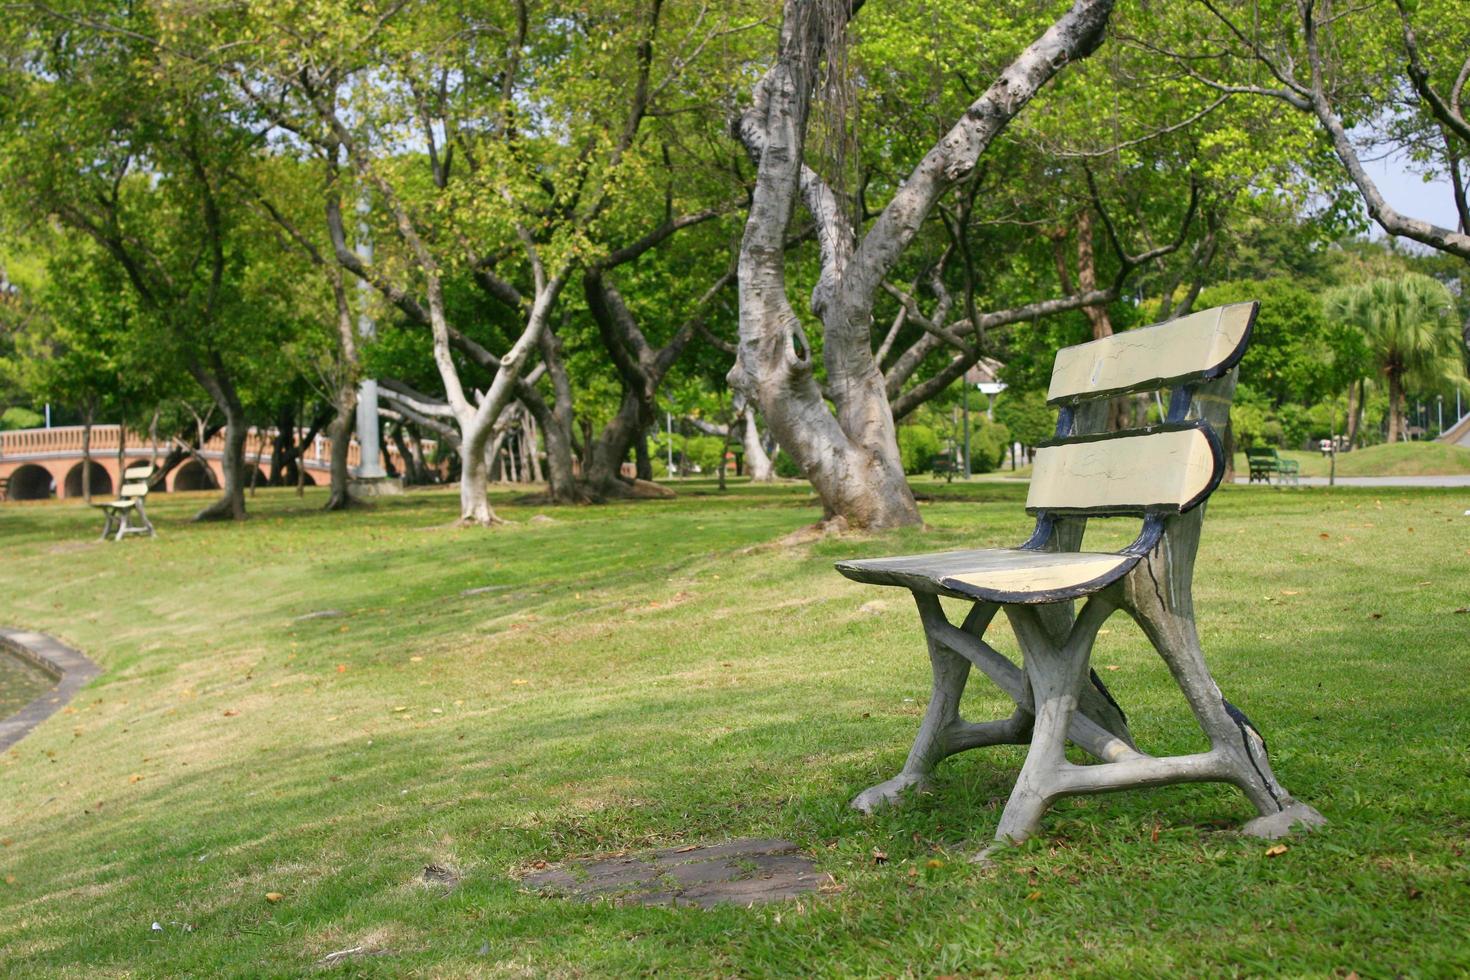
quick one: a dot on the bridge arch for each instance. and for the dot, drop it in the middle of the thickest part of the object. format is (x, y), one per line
(30, 482)
(101, 481)
(194, 476)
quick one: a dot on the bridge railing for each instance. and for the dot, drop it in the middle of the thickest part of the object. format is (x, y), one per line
(66, 440)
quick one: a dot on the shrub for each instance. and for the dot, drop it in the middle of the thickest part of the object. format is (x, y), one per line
(989, 442)
(785, 466)
(16, 417)
(918, 445)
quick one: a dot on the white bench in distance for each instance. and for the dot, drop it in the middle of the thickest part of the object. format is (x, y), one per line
(126, 514)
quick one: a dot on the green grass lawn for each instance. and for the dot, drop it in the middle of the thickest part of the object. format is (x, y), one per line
(663, 673)
(1396, 459)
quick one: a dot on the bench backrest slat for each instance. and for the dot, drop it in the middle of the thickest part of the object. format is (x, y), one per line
(1194, 348)
(135, 481)
(1170, 469)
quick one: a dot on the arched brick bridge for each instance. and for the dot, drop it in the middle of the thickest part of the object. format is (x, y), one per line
(41, 463)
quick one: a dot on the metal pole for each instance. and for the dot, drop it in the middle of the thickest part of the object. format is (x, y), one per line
(669, 421)
(48, 415)
(1440, 400)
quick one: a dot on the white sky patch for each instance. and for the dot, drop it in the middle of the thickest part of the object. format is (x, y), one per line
(1408, 192)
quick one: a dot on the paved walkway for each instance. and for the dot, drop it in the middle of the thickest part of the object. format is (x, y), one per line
(70, 668)
(1460, 480)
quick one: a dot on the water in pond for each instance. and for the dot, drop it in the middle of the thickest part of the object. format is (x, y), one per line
(20, 683)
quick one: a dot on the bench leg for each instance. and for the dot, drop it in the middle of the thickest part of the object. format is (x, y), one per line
(1237, 749)
(1099, 728)
(1158, 594)
(943, 732)
(1056, 672)
(951, 671)
(107, 519)
(143, 515)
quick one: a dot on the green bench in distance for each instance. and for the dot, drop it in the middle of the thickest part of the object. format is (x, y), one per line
(1162, 475)
(1268, 466)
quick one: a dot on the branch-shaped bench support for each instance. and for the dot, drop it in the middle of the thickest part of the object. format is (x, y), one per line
(1162, 474)
(1059, 700)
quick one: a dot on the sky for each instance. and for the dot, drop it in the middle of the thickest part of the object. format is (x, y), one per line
(1407, 192)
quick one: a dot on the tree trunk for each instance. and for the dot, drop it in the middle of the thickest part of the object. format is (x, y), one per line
(1354, 411)
(850, 452)
(283, 455)
(528, 430)
(420, 465)
(604, 473)
(339, 431)
(230, 506)
(1397, 423)
(87, 456)
(474, 502)
(413, 472)
(640, 454)
(757, 462)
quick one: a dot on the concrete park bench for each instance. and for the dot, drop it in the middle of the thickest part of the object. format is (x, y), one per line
(1266, 464)
(126, 515)
(1163, 475)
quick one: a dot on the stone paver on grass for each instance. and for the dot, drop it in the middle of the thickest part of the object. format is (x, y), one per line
(741, 872)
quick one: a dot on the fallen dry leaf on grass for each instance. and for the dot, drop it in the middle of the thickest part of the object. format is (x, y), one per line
(1276, 850)
(273, 897)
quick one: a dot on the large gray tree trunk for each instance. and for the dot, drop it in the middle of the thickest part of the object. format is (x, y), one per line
(849, 451)
(610, 449)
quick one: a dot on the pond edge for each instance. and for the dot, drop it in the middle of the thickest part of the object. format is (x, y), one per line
(71, 668)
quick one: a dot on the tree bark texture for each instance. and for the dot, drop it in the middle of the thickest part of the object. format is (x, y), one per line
(849, 451)
(216, 381)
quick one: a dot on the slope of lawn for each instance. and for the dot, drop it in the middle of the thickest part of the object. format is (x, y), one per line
(665, 673)
(1389, 459)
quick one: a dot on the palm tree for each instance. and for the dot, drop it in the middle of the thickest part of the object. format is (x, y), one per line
(1409, 328)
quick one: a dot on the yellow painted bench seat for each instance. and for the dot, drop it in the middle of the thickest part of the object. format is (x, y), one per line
(1005, 575)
